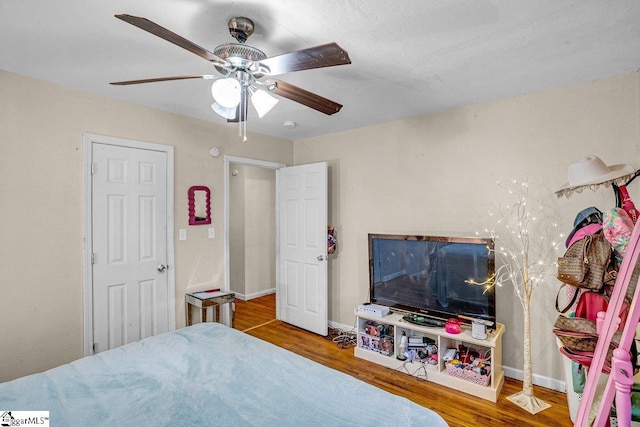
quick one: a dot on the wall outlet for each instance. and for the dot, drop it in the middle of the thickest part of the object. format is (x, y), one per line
(182, 234)
(212, 232)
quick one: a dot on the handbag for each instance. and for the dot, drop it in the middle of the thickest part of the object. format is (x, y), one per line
(579, 334)
(586, 261)
(579, 339)
(575, 333)
(627, 203)
(585, 358)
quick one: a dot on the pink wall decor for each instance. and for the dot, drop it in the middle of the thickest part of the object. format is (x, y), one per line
(199, 205)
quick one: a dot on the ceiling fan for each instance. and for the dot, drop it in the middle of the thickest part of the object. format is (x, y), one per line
(242, 70)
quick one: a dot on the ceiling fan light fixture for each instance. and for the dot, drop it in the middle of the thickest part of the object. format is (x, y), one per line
(262, 101)
(226, 92)
(227, 113)
(241, 66)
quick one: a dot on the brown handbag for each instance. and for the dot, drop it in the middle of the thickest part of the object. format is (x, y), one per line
(579, 336)
(576, 333)
(587, 263)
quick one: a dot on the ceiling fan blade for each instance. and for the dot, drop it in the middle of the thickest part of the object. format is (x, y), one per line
(326, 55)
(304, 97)
(157, 30)
(161, 79)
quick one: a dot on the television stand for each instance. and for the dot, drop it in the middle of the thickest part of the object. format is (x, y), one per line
(379, 341)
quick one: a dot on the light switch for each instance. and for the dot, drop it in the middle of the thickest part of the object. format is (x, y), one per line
(183, 234)
(212, 232)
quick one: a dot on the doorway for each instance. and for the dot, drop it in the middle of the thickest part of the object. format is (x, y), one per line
(300, 244)
(250, 226)
(252, 219)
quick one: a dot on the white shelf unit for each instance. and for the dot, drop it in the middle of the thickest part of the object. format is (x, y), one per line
(395, 325)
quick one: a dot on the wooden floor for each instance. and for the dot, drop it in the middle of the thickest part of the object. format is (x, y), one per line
(257, 317)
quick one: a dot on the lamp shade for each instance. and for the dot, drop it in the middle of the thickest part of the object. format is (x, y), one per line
(226, 92)
(227, 113)
(263, 102)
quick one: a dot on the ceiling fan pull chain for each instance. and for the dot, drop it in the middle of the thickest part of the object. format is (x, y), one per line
(245, 105)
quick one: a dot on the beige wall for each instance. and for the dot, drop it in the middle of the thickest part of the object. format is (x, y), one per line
(41, 214)
(428, 174)
(437, 174)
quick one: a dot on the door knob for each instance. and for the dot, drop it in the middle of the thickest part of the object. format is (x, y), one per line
(320, 258)
(162, 268)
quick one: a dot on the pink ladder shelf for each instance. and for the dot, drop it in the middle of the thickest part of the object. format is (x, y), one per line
(621, 378)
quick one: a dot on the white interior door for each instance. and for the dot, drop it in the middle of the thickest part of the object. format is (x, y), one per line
(302, 279)
(130, 286)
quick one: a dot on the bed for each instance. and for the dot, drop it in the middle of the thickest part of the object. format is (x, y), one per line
(206, 374)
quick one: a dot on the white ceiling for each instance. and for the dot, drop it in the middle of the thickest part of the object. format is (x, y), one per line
(409, 57)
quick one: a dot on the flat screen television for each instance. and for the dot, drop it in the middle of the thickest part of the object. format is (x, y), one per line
(430, 275)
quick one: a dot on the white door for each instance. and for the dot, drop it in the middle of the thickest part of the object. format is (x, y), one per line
(131, 297)
(302, 279)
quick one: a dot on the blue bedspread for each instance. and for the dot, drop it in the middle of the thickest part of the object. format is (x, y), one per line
(207, 375)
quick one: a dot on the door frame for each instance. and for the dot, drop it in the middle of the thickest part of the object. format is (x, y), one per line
(244, 161)
(88, 139)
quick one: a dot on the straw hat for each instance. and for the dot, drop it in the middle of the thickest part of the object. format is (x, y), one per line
(590, 172)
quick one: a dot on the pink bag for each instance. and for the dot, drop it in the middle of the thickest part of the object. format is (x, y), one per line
(585, 358)
(590, 303)
(627, 203)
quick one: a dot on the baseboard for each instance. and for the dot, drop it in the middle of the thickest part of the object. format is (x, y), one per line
(342, 327)
(539, 380)
(248, 297)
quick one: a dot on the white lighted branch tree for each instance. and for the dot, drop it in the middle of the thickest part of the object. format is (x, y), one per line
(525, 255)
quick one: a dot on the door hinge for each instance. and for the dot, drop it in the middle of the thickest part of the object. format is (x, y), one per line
(93, 168)
(93, 257)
